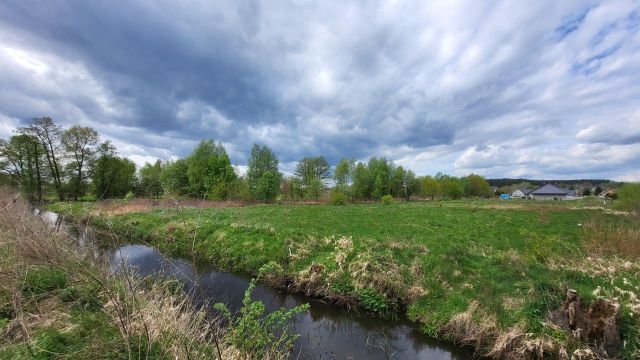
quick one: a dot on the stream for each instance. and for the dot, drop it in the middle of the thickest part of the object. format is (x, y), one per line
(326, 331)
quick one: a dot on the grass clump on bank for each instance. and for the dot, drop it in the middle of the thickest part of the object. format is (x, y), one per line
(493, 275)
(60, 301)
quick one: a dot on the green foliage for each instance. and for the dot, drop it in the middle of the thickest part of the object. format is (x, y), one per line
(629, 197)
(361, 180)
(372, 300)
(42, 280)
(343, 174)
(386, 200)
(173, 177)
(257, 334)
(80, 146)
(451, 187)
(314, 189)
(113, 177)
(149, 183)
(476, 185)
(263, 176)
(429, 187)
(22, 158)
(338, 198)
(312, 170)
(129, 196)
(210, 172)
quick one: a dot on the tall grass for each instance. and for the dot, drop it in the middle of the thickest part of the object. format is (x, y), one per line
(58, 300)
(601, 238)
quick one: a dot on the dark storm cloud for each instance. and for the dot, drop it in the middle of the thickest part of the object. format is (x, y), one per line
(501, 88)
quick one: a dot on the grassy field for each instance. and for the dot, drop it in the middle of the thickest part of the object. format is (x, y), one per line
(477, 271)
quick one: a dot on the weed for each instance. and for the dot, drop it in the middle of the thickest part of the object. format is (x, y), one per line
(257, 335)
(386, 200)
(372, 300)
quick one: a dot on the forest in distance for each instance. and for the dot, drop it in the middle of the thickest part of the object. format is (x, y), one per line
(49, 162)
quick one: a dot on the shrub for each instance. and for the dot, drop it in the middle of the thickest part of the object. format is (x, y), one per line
(129, 196)
(371, 300)
(387, 200)
(42, 280)
(256, 335)
(629, 197)
(338, 198)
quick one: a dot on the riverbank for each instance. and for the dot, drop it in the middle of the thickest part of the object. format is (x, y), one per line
(486, 274)
(59, 299)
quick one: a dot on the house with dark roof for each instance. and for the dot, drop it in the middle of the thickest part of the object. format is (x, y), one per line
(549, 192)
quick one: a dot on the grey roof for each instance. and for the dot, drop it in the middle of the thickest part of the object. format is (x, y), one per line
(571, 192)
(525, 191)
(548, 189)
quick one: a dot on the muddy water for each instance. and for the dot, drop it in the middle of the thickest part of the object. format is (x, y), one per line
(326, 331)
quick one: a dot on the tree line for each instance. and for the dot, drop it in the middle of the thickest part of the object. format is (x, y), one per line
(44, 159)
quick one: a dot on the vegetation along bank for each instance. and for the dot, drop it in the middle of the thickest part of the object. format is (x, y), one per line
(493, 275)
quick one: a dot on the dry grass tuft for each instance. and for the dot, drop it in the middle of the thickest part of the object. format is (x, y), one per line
(601, 239)
(480, 331)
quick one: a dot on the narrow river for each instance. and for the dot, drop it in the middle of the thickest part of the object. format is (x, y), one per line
(326, 331)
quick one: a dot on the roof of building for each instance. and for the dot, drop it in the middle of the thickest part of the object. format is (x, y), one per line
(548, 189)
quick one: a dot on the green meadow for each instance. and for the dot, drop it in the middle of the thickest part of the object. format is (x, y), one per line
(506, 265)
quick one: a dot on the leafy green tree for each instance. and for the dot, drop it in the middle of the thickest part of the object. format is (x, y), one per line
(361, 182)
(173, 177)
(380, 174)
(476, 185)
(48, 134)
(343, 174)
(411, 184)
(209, 171)
(314, 189)
(149, 183)
(79, 144)
(113, 177)
(263, 175)
(398, 182)
(430, 187)
(21, 158)
(451, 187)
(312, 172)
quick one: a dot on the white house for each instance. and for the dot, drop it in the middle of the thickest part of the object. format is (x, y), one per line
(520, 193)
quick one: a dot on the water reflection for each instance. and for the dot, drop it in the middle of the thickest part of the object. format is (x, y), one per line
(326, 331)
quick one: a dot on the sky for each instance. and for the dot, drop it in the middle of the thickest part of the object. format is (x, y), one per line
(535, 89)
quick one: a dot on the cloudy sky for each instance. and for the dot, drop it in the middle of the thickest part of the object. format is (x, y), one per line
(540, 89)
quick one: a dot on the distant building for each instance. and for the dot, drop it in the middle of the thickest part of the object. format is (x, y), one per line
(550, 192)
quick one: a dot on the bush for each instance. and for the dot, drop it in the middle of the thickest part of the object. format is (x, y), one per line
(338, 198)
(256, 334)
(387, 200)
(629, 197)
(129, 196)
(371, 300)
